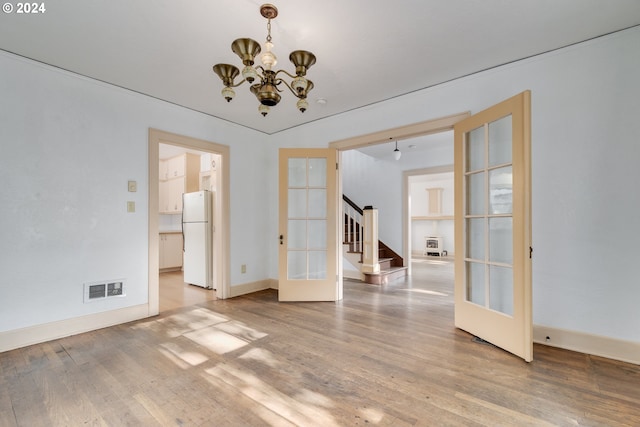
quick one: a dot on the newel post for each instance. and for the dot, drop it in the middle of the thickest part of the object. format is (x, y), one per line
(370, 242)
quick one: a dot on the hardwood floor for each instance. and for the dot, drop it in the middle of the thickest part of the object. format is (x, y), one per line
(174, 293)
(384, 356)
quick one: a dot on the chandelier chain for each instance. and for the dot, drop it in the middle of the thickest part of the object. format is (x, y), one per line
(269, 30)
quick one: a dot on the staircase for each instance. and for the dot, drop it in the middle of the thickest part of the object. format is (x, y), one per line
(391, 267)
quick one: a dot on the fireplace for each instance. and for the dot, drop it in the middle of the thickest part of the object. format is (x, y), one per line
(433, 245)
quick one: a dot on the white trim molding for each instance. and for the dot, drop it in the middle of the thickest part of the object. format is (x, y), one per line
(250, 287)
(36, 334)
(597, 345)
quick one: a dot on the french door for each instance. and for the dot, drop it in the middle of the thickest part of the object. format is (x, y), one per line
(493, 225)
(308, 256)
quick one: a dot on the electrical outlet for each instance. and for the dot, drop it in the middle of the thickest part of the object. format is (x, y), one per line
(243, 268)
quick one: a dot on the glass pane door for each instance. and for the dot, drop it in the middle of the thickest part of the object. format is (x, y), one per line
(488, 215)
(493, 225)
(307, 219)
(308, 226)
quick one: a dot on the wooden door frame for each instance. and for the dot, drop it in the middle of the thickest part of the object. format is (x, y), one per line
(223, 268)
(428, 127)
(406, 209)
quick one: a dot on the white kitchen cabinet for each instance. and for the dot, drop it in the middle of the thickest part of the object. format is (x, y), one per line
(176, 165)
(181, 176)
(170, 251)
(163, 170)
(171, 195)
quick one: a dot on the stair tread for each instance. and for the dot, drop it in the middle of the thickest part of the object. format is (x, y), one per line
(387, 271)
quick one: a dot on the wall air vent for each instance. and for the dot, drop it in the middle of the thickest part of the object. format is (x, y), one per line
(96, 291)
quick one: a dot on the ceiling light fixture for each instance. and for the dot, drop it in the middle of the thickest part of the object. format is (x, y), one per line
(267, 81)
(396, 152)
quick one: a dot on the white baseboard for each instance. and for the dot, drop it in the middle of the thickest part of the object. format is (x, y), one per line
(597, 345)
(23, 337)
(352, 274)
(612, 348)
(247, 288)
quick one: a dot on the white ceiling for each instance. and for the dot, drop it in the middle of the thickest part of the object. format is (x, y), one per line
(367, 50)
(415, 151)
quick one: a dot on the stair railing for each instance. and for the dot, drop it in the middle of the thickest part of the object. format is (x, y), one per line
(353, 234)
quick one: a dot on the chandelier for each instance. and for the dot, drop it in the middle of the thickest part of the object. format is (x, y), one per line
(267, 81)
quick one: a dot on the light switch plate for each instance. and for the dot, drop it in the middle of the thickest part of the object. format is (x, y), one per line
(133, 186)
(131, 206)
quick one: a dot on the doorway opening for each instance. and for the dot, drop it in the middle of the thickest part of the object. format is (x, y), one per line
(184, 170)
(422, 130)
(428, 198)
(177, 165)
(429, 202)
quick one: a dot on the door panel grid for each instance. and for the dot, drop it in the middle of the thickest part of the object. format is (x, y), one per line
(308, 226)
(493, 225)
(307, 219)
(488, 215)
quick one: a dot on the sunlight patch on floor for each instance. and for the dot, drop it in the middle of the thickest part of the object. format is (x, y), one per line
(180, 323)
(240, 330)
(425, 291)
(372, 415)
(216, 340)
(287, 407)
(261, 355)
(313, 398)
(183, 359)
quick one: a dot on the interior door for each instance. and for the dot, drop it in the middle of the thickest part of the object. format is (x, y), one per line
(308, 258)
(493, 225)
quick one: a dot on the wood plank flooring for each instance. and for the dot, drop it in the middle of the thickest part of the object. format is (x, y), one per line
(384, 356)
(174, 293)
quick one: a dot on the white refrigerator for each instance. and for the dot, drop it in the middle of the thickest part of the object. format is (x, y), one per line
(197, 233)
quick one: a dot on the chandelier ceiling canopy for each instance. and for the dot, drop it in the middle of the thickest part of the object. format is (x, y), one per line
(266, 82)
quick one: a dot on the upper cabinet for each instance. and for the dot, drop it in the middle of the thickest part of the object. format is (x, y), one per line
(179, 174)
(163, 171)
(177, 166)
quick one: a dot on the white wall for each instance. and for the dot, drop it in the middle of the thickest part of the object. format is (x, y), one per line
(69, 146)
(585, 154)
(369, 181)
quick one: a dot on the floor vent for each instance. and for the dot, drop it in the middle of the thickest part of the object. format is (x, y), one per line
(96, 291)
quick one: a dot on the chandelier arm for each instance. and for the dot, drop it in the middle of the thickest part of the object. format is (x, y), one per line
(289, 87)
(239, 83)
(276, 84)
(286, 72)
